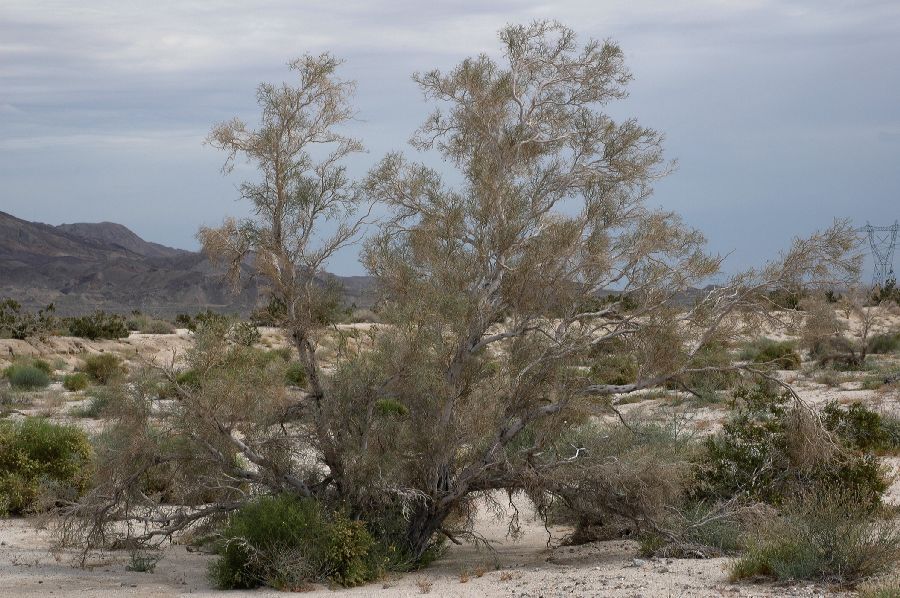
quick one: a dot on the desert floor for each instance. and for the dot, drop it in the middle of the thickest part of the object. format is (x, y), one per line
(533, 565)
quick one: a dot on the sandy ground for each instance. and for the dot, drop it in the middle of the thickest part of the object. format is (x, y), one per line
(29, 567)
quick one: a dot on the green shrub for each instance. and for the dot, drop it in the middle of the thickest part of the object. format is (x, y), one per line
(757, 456)
(35, 454)
(104, 367)
(861, 427)
(884, 343)
(822, 536)
(287, 543)
(98, 325)
(295, 375)
(75, 382)
(782, 355)
(27, 377)
(158, 327)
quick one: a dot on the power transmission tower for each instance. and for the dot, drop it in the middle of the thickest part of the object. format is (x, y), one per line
(883, 240)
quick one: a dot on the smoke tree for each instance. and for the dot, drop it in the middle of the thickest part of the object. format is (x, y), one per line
(498, 292)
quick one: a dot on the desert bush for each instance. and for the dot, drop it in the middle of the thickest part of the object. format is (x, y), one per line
(75, 382)
(821, 536)
(614, 368)
(716, 359)
(36, 454)
(27, 377)
(861, 427)
(104, 367)
(770, 449)
(884, 343)
(639, 470)
(157, 327)
(98, 402)
(98, 325)
(136, 321)
(18, 324)
(287, 543)
(245, 333)
(780, 354)
(295, 375)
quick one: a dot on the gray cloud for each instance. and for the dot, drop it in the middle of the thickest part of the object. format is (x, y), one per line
(782, 114)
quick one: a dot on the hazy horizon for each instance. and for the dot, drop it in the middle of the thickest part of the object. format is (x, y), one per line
(782, 115)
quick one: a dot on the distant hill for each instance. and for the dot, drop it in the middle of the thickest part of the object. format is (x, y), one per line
(86, 266)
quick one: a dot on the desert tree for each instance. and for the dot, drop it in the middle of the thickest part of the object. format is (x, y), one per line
(500, 286)
(306, 208)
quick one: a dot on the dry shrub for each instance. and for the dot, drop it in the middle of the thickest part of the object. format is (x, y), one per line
(822, 535)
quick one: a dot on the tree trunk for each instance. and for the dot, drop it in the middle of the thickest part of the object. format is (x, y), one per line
(423, 525)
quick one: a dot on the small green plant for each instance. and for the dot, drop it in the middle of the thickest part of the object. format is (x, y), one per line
(143, 561)
(27, 376)
(104, 367)
(821, 536)
(287, 543)
(76, 382)
(36, 454)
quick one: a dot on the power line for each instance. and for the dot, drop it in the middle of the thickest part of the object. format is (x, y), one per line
(883, 241)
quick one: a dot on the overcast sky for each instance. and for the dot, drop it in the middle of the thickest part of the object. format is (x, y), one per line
(782, 114)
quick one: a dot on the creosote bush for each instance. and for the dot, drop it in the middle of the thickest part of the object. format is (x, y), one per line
(288, 543)
(861, 427)
(99, 325)
(884, 343)
(36, 455)
(770, 449)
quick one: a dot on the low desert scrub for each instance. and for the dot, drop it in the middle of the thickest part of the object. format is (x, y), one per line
(884, 343)
(104, 368)
(144, 324)
(37, 456)
(821, 536)
(27, 376)
(863, 428)
(880, 587)
(771, 448)
(780, 354)
(98, 403)
(697, 530)
(76, 382)
(98, 325)
(288, 543)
